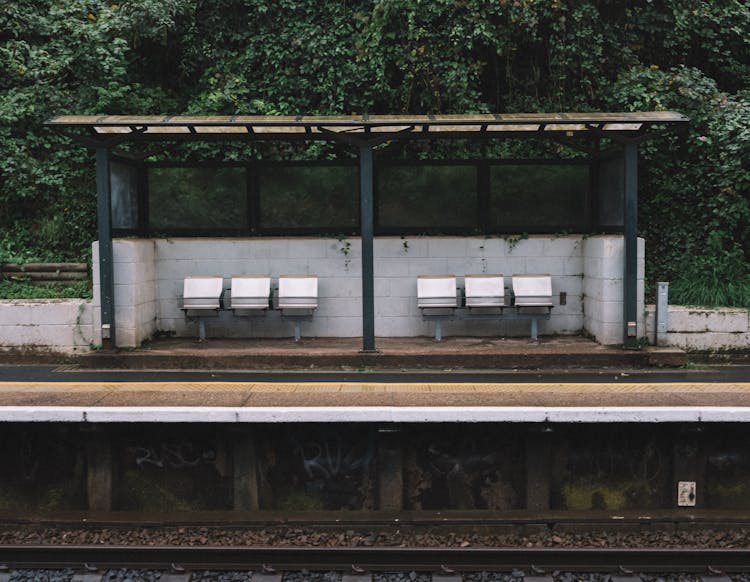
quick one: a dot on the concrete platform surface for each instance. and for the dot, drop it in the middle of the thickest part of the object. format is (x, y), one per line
(266, 402)
(414, 353)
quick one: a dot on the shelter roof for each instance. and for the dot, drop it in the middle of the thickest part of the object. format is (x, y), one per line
(102, 128)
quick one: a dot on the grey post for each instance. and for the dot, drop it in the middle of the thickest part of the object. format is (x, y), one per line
(662, 302)
(367, 216)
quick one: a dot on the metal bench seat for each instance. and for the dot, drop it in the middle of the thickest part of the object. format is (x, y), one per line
(202, 293)
(436, 291)
(297, 298)
(484, 299)
(201, 296)
(532, 290)
(298, 292)
(250, 292)
(484, 290)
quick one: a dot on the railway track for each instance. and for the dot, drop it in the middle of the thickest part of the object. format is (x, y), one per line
(445, 560)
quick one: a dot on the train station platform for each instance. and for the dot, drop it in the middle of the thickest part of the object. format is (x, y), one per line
(393, 353)
(556, 379)
(68, 394)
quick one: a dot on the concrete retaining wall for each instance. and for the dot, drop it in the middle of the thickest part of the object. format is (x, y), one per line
(58, 325)
(696, 328)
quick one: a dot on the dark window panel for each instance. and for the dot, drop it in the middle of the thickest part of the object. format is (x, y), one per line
(202, 198)
(321, 197)
(544, 196)
(611, 192)
(427, 196)
(124, 194)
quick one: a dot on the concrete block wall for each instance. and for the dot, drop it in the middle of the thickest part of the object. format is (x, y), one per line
(603, 268)
(702, 329)
(149, 276)
(148, 292)
(135, 291)
(58, 325)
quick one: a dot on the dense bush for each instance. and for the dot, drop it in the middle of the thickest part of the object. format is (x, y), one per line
(382, 56)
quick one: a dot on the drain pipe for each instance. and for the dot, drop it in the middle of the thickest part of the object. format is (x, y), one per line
(662, 302)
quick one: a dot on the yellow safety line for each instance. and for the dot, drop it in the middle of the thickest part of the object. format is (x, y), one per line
(285, 384)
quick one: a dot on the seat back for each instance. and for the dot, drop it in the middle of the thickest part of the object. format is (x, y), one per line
(202, 293)
(484, 290)
(436, 291)
(250, 291)
(298, 291)
(532, 290)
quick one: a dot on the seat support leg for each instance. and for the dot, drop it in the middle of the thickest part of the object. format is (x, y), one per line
(533, 329)
(201, 330)
(438, 331)
(297, 333)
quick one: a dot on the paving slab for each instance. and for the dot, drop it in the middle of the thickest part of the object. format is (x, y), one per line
(412, 353)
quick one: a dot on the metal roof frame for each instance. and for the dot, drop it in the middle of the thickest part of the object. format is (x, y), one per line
(110, 130)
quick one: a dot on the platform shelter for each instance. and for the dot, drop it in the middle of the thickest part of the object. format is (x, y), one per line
(367, 227)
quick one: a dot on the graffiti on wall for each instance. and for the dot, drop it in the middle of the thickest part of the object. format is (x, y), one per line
(181, 455)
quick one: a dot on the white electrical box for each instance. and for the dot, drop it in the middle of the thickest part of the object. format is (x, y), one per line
(686, 493)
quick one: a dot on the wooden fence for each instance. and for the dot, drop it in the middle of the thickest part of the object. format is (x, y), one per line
(45, 273)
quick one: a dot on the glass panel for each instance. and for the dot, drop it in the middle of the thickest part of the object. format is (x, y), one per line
(123, 180)
(308, 196)
(543, 197)
(197, 198)
(611, 192)
(428, 196)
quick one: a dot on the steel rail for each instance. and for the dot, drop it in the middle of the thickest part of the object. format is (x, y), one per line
(374, 558)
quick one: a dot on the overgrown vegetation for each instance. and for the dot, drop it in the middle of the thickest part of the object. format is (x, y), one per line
(20, 289)
(387, 56)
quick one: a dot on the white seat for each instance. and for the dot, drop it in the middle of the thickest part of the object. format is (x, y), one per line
(532, 290)
(202, 293)
(298, 292)
(250, 291)
(436, 291)
(484, 290)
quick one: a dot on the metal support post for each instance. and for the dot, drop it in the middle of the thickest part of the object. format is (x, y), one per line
(662, 303)
(367, 220)
(630, 282)
(201, 330)
(438, 331)
(534, 331)
(297, 331)
(106, 260)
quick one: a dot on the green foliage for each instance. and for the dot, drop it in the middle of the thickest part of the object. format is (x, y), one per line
(378, 56)
(694, 189)
(716, 278)
(20, 289)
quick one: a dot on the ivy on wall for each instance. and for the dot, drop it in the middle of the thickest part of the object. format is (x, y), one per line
(382, 56)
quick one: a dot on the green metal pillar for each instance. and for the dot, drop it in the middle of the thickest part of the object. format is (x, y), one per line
(368, 268)
(630, 287)
(106, 266)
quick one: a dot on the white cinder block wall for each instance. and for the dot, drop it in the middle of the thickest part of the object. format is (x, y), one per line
(698, 328)
(59, 325)
(603, 267)
(135, 291)
(149, 275)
